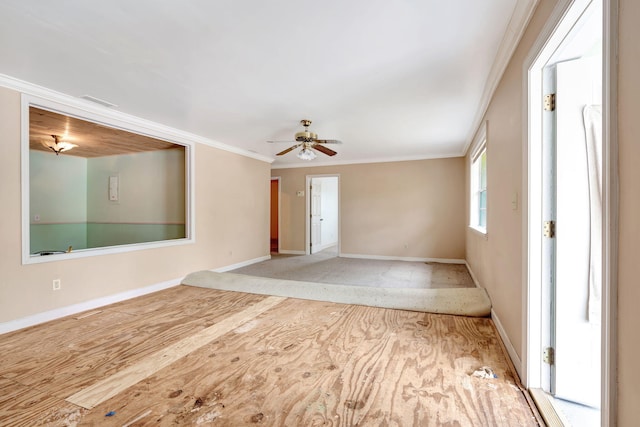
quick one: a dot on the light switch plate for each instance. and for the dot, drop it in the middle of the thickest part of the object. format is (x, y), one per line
(113, 188)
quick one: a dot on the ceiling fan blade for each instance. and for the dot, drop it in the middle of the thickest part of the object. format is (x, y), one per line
(283, 152)
(328, 141)
(323, 149)
(278, 142)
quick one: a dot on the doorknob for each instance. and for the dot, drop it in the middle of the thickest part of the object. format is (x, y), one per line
(321, 219)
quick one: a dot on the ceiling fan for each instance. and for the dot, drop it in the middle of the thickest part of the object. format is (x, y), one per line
(309, 141)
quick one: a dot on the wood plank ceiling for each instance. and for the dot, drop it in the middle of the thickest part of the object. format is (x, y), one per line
(92, 139)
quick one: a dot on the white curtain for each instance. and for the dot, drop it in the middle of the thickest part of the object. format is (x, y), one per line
(592, 115)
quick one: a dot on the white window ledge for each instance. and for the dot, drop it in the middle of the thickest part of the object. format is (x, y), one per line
(479, 231)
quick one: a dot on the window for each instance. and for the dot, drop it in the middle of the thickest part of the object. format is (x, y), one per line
(478, 214)
(118, 188)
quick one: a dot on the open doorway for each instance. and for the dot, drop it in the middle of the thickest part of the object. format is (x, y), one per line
(275, 215)
(566, 230)
(322, 215)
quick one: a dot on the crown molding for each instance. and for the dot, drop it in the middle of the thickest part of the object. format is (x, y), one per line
(312, 164)
(92, 107)
(522, 13)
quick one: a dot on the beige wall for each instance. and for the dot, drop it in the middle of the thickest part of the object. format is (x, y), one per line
(232, 225)
(385, 206)
(629, 245)
(497, 260)
(151, 187)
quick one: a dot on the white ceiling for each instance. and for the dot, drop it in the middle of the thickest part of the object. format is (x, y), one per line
(402, 79)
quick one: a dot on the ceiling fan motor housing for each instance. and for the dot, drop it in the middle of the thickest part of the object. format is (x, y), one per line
(306, 136)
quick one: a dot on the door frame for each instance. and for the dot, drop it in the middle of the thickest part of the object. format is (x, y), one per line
(307, 229)
(558, 25)
(276, 178)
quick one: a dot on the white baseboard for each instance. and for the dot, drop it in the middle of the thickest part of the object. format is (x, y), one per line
(473, 276)
(290, 252)
(323, 247)
(513, 355)
(399, 258)
(241, 264)
(14, 325)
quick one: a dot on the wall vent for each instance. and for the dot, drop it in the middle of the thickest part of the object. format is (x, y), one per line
(98, 101)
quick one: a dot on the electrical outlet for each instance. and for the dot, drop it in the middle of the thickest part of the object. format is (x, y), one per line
(56, 284)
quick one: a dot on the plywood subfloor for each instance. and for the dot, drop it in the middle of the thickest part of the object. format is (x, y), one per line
(292, 363)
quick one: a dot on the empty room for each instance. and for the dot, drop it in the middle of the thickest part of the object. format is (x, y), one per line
(319, 213)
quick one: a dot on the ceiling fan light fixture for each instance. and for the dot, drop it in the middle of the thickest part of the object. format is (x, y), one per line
(306, 154)
(309, 142)
(58, 146)
(306, 136)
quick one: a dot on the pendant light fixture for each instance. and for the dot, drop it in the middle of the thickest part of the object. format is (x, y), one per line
(58, 146)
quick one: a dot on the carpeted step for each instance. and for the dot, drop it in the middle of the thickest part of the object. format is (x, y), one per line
(459, 301)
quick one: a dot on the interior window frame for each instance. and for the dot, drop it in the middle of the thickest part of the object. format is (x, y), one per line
(477, 184)
(113, 119)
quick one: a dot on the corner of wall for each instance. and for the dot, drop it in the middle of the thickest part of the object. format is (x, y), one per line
(511, 350)
(508, 345)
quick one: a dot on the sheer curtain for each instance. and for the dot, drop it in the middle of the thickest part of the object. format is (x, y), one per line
(592, 115)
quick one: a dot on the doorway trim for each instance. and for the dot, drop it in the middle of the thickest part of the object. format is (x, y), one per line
(558, 25)
(307, 221)
(277, 178)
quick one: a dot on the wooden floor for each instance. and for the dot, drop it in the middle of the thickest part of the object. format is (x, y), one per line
(193, 356)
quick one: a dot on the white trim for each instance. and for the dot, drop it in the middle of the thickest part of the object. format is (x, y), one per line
(279, 179)
(313, 163)
(91, 252)
(291, 252)
(479, 142)
(540, 51)
(400, 258)
(307, 215)
(307, 232)
(508, 345)
(88, 106)
(609, 404)
(478, 149)
(323, 247)
(479, 231)
(473, 276)
(241, 264)
(97, 115)
(520, 17)
(531, 271)
(513, 354)
(14, 325)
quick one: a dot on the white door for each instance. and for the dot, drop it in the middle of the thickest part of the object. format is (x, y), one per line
(316, 215)
(578, 244)
(564, 184)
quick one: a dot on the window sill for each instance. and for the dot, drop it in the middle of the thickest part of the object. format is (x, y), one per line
(28, 258)
(479, 231)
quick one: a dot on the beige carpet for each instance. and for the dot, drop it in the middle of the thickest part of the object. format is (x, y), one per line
(459, 301)
(327, 267)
